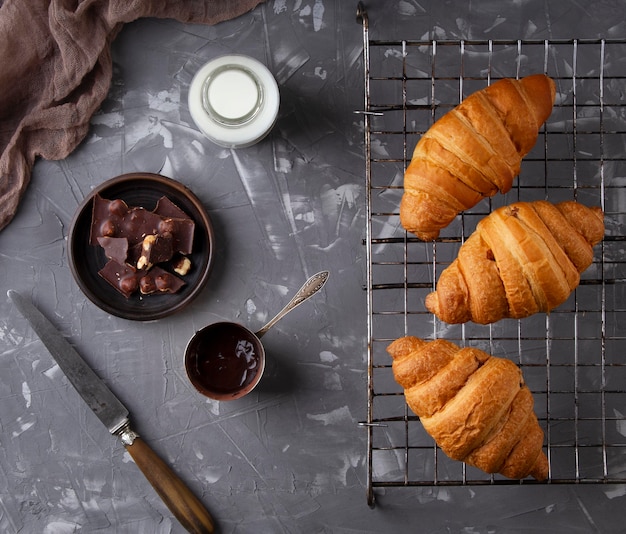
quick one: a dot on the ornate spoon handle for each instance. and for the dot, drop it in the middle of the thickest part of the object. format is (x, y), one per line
(310, 287)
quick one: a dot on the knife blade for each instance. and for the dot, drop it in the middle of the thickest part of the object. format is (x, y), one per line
(185, 506)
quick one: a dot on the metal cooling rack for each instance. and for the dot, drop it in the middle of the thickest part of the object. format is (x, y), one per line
(573, 360)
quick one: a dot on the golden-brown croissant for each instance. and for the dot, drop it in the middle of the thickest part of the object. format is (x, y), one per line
(473, 151)
(475, 406)
(521, 259)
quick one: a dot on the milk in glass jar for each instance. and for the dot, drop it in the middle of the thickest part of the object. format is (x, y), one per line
(234, 100)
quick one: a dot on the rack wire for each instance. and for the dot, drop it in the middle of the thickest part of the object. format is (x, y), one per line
(574, 359)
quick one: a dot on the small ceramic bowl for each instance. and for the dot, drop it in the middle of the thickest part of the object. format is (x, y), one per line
(86, 260)
(224, 361)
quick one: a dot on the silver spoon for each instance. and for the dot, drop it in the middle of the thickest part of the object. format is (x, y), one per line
(310, 287)
(228, 380)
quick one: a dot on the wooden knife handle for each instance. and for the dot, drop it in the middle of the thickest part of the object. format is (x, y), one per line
(175, 494)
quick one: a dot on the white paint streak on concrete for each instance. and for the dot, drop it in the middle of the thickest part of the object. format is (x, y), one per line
(614, 491)
(280, 6)
(620, 423)
(406, 9)
(26, 394)
(69, 500)
(321, 73)
(338, 416)
(112, 120)
(53, 372)
(332, 381)
(8, 335)
(213, 473)
(499, 20)
(165, 101)
(250, 307)
(60, 527)
(444, 495)
(95, 484)
(318, 15)
(327, 356)
(24, 425)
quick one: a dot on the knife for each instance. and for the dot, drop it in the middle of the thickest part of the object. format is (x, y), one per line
(175, 494)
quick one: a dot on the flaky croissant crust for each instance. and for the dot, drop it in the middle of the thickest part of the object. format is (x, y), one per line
(473, 151)
(521, 259)
(475, 406)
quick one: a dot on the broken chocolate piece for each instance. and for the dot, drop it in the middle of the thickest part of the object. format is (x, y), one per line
(147, 285)
(126, 279)
(183, 235)
(134, 253)
(122, 277)
(180, 224)
(155, 249)
(117, 207)
(168, 210)
(158, 280)
(115, 248)
(114, 218)
(164, 281)
(107, 229)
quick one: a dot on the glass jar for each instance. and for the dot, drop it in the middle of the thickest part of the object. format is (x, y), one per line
(234, 100)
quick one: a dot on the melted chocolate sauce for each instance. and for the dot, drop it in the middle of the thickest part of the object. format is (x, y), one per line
(224, 360)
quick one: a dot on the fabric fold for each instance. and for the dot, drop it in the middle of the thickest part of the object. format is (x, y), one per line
(57, 69)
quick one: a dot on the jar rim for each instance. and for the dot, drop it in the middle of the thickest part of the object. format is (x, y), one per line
(257, 125)
(220, 117)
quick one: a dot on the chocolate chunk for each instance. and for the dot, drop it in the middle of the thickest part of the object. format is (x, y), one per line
(182, 226)
(168, 210)
(183, 235)
(115, 248)
(114, 218)
(122, 277)
(118, 207)
(166, 282)
(126, 279)
(134, 253)
(107, 228)
(128, 285)
(158, 280)
(147, 285)
(155, 249)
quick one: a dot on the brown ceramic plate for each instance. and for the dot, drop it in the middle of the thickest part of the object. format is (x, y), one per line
(139, 189)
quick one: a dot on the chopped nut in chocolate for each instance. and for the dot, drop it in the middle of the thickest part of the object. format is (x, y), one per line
(182, 265)
(155, 249)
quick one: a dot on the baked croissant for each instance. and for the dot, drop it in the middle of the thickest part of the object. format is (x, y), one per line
(475, 406)
(521, 259)
(473, 151)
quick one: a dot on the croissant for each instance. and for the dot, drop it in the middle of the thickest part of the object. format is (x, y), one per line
(473, 151)
(521, 259)
(475, 406)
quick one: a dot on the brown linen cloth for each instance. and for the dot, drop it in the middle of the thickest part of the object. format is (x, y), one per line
(56, 70)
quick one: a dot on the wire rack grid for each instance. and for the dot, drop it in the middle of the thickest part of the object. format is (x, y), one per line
(573, 359)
